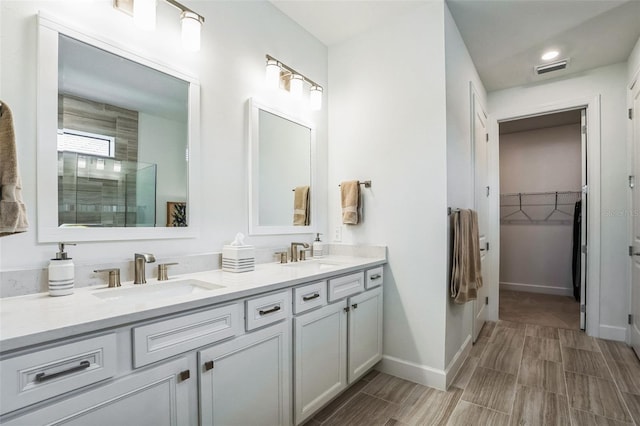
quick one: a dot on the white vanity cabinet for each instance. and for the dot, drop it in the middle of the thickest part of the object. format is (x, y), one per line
(155, 396)
(336, 344)
(365, 332)
(246, 381)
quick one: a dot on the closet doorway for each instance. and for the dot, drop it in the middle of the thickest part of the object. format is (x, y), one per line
(543, 238)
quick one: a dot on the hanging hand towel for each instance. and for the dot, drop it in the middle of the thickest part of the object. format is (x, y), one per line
(301, 206)
(466, 273)
(350, 195)
(13, 214)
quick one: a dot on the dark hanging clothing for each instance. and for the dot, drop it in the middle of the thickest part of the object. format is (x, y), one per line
(576, 264)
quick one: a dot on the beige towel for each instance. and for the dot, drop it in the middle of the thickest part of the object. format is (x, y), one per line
(350, 195)
(301, 206)
(13, 215)
(466, 273)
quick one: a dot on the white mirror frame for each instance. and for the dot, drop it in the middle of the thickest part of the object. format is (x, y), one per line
(254, 149)
(47, 107)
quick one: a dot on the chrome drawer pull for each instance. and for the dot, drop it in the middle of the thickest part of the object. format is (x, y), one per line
(375, 277)
(43, 377)
(270, 311)
(313, 296)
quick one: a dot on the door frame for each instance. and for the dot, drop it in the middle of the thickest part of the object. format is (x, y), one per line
(592, 105)
(486, 270)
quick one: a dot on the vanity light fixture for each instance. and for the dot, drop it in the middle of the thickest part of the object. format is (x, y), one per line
(295, 86)
(279, 75)
(100, 164)
(117, 166)
(272, 74)
(144, 15)
(315, 98)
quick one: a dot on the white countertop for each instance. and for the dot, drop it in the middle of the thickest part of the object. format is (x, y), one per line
(37, 318)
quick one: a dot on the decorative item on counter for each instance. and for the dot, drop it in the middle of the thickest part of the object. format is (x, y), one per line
(318, 246)
(237, 256)
(61, 273)
(176, 214)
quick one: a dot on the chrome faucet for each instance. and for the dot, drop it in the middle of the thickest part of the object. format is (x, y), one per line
(294, 250)
(140, 260)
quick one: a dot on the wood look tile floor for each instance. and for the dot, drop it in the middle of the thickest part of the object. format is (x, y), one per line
(516, 374)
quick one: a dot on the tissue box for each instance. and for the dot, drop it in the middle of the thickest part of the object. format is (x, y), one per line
(238, 258)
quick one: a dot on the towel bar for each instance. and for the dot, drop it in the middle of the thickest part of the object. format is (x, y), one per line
(452, 210)
(366, 183)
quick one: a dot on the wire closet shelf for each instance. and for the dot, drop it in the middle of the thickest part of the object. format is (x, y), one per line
(539, 208)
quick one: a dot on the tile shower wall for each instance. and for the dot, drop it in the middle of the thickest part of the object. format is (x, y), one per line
(94, 199)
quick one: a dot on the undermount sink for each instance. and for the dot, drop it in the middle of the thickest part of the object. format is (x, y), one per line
(315, 265)
(154, 291)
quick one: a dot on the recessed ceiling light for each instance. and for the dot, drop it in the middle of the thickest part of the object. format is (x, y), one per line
(551, 54)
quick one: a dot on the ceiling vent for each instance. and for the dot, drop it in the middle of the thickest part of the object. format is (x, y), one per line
(554, 66)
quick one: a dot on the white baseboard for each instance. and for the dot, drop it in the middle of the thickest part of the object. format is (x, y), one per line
(426, 376)
(535, 288)
(458, 359)
(610, 332)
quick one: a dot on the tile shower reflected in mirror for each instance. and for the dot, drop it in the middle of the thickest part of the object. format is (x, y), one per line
(122, 140)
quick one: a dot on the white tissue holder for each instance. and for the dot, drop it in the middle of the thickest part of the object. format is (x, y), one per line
(238, 258)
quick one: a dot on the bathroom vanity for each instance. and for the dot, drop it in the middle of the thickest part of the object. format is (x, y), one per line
(268, 347)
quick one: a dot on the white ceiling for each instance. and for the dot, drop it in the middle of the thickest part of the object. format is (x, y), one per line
(505, 37)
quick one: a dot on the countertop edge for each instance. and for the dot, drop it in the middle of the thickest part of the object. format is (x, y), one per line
(105, 324)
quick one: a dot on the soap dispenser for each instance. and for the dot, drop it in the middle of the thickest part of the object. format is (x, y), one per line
(61, 273)
(318, 246)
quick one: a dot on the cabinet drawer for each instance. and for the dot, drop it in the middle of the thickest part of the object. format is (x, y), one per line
(36, 376)
(348, 285)
(309, 296)
(162, 339)
(374, 277)
(268, 309)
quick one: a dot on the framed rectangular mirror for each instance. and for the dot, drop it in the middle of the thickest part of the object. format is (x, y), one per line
(115, 133)
(281, 159)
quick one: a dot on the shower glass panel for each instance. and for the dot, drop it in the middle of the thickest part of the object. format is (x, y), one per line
(102, 192)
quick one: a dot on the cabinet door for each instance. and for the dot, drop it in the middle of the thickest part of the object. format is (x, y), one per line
(155, 397)
(365, 332)
(320, 339)
(245, 381)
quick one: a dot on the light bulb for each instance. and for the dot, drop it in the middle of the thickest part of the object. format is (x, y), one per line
(315, 98)
(191, 26)
(272, 74)
(144, 14)
(295, 86)
(552, 54)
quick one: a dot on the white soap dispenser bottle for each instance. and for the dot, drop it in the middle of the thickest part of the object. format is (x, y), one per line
(318, 246)
(61, 273)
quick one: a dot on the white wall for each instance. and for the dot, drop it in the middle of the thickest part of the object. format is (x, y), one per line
(230, 67)
(460, 70)
(387, 114)
(539, 255)
(633, 63)
(163, 142)
(609, 83)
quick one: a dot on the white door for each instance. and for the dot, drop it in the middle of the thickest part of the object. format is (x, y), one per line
(365, 332)
(156, 396)
(481, 202)
(583, 223)
(635, 259)
(320, 366)
(245, 381)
